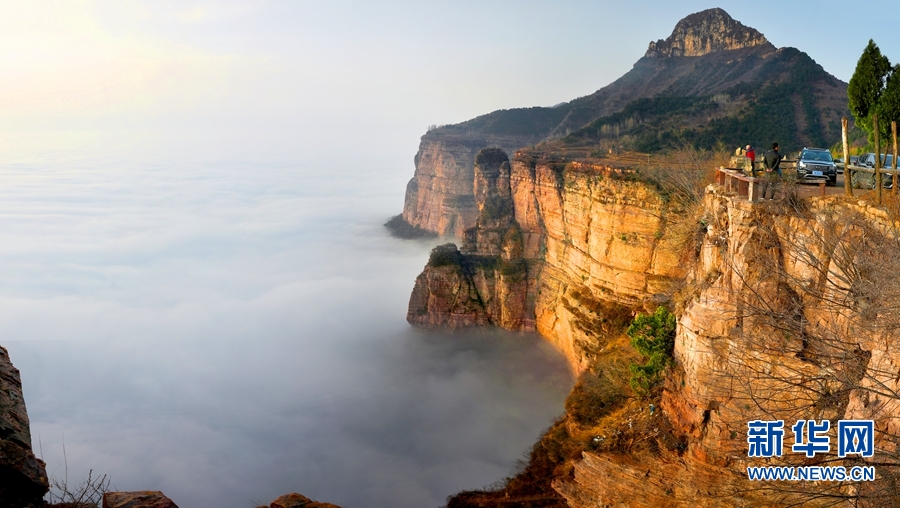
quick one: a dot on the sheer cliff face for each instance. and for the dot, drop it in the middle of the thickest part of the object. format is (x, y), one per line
(706, 32)
(766, 327)
(439, 197)
(559, 248)
(770, 333)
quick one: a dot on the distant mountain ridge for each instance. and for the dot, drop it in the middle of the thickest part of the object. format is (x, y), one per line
(712, 81)
(708, 54)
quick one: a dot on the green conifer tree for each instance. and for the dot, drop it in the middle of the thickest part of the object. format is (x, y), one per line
(867, 86)
(889, 104)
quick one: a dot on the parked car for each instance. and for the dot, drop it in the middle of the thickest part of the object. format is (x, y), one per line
(868, 160)
(815, 165)
(854, 160)
(864, 180)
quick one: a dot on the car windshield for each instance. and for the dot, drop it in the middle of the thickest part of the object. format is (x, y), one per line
(816, 156)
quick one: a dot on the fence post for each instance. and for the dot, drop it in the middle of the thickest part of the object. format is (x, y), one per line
(896, 176)
(848, 175)
(878, 182)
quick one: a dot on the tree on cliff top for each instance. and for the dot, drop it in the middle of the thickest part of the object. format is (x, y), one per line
(866, 88)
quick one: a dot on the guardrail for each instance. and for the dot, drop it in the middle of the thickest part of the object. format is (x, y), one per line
(746, 186)
(856, 181)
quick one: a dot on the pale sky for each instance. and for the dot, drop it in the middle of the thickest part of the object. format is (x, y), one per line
(271, 79)
(267, 79)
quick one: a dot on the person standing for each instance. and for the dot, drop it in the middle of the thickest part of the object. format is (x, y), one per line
(751, 154)
(772, 162)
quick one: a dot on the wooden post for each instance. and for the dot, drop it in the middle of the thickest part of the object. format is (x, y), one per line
(848, 175)
(878, 183)
(896, 176)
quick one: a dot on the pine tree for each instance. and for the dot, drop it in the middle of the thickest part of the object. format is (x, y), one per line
(889, 104)
(867, 86)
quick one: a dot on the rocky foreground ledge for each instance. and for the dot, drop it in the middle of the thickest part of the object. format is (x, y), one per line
(155, 499)
(23, 477)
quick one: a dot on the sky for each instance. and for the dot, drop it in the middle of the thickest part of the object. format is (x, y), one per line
(194, 280)
(282, 80)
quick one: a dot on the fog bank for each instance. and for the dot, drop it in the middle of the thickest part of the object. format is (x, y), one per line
(230, 333)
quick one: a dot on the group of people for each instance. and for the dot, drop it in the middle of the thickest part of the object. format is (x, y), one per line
(771, 171)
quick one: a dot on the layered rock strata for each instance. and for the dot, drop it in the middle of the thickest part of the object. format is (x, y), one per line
(23, 478)
(439, 197)
(559, 248)
(775, 321)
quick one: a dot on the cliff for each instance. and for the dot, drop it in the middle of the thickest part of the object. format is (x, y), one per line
(713, 80)
(23, 478)
(568, 247)
(776, 320)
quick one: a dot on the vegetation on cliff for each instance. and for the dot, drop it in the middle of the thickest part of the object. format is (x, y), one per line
(653, 336)
(779, 103)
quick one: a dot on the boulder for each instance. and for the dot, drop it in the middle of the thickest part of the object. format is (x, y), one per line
(295, 500)
(141, 499)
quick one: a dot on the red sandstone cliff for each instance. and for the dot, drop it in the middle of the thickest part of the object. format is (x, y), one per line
(775, 321)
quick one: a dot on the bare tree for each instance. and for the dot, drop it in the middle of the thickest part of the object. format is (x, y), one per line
(812, 311)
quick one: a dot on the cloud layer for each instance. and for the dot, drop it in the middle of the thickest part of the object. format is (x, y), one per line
(227, 334)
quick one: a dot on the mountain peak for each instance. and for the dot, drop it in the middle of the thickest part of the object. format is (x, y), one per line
(706, 32)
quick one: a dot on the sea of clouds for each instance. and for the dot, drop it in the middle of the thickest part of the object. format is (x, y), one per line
(230, 332)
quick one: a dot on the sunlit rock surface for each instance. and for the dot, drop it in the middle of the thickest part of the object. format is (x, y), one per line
(706, 32)
(295, 500)
(597, 245)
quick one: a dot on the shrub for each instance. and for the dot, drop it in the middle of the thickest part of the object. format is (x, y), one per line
(445, 255)
(653, 336)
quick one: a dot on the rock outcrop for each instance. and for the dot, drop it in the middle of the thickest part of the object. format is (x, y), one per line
(706, 32)
(486, 283)
(560, 247)
(439, 197)
(23, 478)
(295, 500)
(139, 499)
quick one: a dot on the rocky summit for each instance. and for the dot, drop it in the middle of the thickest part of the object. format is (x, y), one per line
(707, 32)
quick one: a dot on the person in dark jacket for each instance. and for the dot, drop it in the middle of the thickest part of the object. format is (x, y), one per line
(772, 161)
